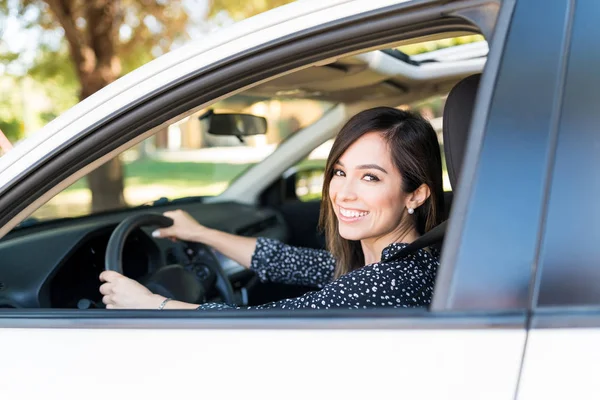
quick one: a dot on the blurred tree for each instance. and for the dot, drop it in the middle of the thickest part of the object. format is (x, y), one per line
(54, 70)
(101, 40)
(104, 39)
(11, 128)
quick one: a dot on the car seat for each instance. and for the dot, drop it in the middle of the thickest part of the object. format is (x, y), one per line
(458, 113)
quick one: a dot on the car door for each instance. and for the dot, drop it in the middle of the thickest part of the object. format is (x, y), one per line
(468, 345)
(562, 351)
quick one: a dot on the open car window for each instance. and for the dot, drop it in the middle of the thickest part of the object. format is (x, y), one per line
(185, 160)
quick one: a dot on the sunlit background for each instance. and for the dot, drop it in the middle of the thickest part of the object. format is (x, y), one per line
(46, 67)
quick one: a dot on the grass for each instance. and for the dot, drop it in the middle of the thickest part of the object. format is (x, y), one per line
(146, 181)
(181, 173)
(174, 174)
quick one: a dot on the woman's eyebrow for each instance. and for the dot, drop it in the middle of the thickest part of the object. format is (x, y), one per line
(372, 166)
(365, 166)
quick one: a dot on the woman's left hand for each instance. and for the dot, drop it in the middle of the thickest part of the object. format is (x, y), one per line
(122, 292)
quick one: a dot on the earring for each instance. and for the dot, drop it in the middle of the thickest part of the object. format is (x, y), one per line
(411, 210)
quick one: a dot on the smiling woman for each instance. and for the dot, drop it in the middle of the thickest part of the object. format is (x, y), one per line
(385, 185)
(383, 188)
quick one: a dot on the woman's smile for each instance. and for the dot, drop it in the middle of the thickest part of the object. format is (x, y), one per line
(351, 215)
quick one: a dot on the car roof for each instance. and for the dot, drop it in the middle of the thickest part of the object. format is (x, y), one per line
(384, 74)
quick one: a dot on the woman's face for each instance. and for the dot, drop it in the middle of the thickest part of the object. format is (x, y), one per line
(365, 191)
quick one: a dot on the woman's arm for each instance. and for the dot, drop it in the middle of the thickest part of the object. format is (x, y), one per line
(185, 227)
(372, 286)
(272, 260)
(401, 284)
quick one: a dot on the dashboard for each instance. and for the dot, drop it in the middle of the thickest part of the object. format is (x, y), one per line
(57, 264)
(77, 278)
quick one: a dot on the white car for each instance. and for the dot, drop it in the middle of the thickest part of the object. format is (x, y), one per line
(516, 307)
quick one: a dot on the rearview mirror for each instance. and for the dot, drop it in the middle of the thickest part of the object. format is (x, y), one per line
(238, 125)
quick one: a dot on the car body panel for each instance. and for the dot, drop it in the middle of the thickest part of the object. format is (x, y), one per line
(271, 364)
(561, 363)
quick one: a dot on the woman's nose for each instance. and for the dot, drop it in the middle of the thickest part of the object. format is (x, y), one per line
(347, 190)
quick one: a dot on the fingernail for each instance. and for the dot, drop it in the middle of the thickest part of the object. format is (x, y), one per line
(156, 234)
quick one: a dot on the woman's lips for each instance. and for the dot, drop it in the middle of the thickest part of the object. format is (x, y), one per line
(350, 215)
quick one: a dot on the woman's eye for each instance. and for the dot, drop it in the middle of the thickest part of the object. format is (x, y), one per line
(338, 172)
(370, 178)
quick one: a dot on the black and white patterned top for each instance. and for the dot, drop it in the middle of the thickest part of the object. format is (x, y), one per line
(407, 282)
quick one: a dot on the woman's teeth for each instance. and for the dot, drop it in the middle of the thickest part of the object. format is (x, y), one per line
(352, 214)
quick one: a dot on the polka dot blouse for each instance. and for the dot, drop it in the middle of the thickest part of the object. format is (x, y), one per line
(407, 282)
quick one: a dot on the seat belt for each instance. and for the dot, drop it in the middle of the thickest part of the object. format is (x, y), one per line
(436, 235)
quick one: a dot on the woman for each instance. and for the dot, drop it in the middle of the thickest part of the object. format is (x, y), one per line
(382, 190)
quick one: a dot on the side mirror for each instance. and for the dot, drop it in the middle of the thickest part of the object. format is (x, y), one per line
(304, 182)
(238, 125)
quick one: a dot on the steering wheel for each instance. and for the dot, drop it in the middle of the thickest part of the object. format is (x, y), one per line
(173, 280)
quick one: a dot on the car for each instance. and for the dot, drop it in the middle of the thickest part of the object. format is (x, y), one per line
(516, 305)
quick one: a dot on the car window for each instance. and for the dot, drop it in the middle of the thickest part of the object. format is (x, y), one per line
(432, 109)
(185, 160)
(570, 254)
(308, 175)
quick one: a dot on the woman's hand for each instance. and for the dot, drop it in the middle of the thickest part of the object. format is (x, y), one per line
(122, 292)
(184, 227)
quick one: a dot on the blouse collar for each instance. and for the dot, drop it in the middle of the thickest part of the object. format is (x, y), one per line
(391, 250)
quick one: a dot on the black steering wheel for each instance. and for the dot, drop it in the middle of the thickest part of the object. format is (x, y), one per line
(175, 280)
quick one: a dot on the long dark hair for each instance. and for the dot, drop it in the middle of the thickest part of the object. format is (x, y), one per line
(415, 152)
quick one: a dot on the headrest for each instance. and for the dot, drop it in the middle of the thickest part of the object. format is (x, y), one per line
(457, 121)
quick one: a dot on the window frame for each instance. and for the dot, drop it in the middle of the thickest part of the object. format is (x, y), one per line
(569, 288)
(480, 263)
(385, 25)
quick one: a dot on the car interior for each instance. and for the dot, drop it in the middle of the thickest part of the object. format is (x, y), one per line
(55, 262)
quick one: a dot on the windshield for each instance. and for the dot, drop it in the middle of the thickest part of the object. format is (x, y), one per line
(183, 160)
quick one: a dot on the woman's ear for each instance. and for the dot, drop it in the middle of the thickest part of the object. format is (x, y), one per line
(418, 197)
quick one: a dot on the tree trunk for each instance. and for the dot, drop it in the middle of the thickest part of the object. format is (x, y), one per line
(92, 49)
(107, 182)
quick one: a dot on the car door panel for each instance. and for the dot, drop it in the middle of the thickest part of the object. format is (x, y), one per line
(376, 358)
(562, 356)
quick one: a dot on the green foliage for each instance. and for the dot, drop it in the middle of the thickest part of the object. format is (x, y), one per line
(147, 29)
(54, 71)
(47, 116)
(8, 57)
(143, 29)
(239, 10)
(12, 129)
(424, 47)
